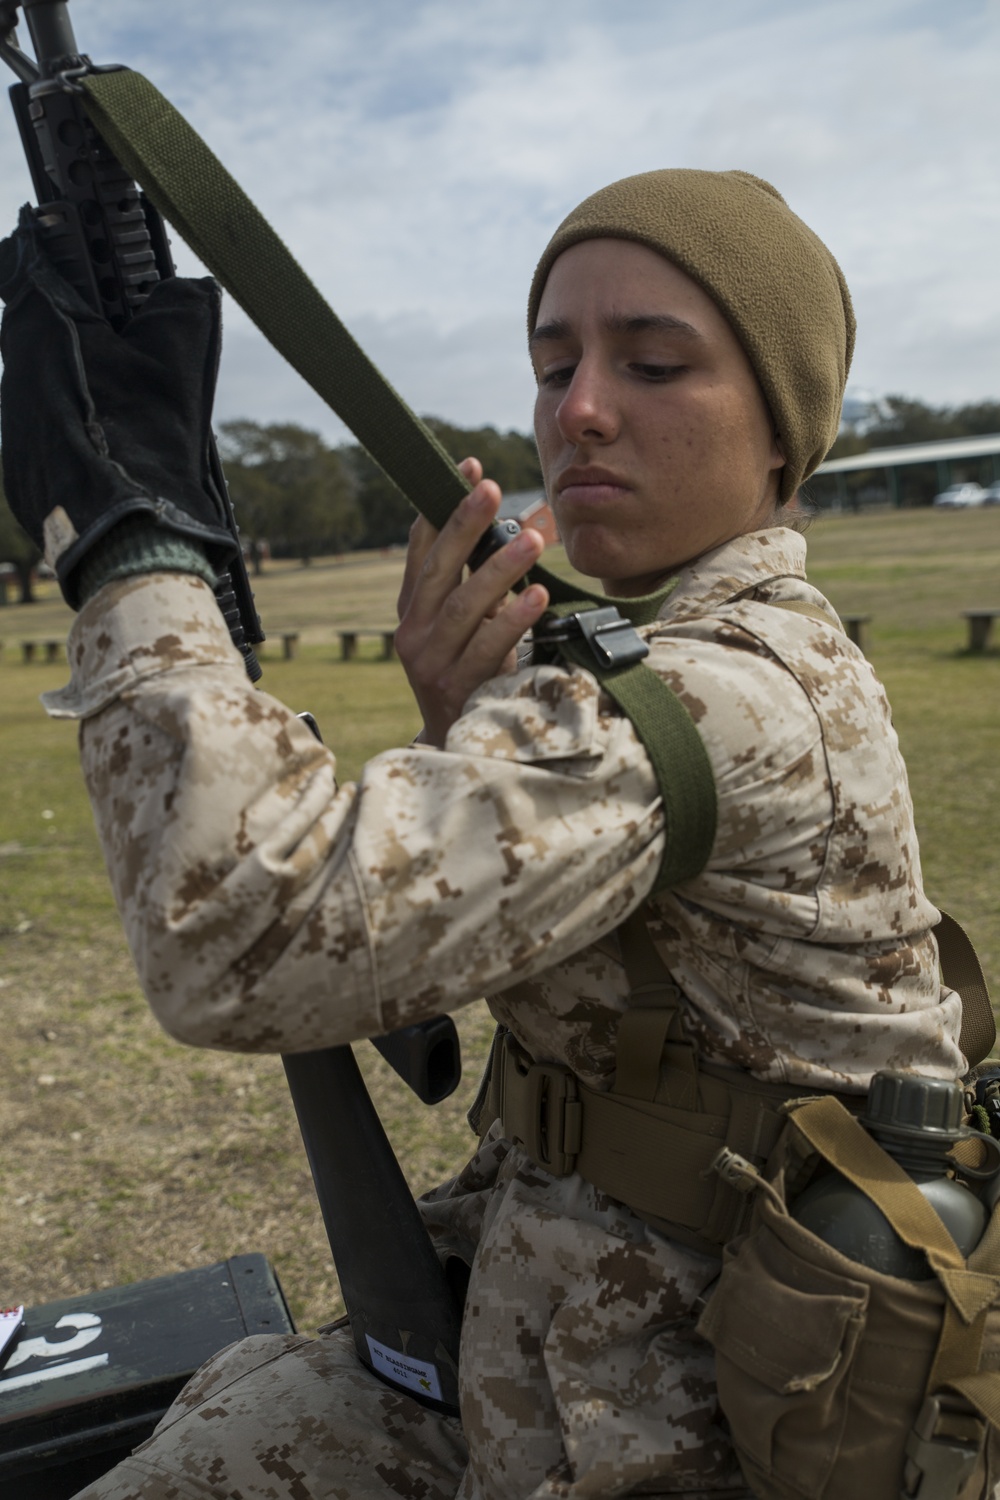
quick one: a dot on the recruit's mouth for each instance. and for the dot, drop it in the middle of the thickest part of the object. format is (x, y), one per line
(590, 483)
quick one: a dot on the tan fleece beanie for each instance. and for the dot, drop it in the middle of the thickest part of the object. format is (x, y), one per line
(780, 288)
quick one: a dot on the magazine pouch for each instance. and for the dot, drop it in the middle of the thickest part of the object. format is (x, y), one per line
(839, 1381)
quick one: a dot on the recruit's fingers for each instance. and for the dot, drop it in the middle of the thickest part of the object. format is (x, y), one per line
(443, 690)
(491, 651)
(462, 633)
(422, 538)
(454, 633)
(436, 570)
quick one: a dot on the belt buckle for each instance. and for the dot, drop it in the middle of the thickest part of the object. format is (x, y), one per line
(543, 1114)
(940, 1465)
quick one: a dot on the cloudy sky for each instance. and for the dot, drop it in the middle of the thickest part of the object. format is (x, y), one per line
(416, 155)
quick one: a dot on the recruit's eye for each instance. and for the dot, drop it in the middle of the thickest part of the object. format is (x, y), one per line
(656, 372)
(560, 375)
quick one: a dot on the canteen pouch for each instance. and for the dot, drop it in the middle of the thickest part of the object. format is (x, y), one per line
(824, 1365)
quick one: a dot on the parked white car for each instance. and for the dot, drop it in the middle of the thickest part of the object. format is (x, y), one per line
(992, 494)
(961, 496)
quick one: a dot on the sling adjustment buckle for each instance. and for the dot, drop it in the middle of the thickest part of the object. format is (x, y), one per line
(942, 1450)
(614, 641)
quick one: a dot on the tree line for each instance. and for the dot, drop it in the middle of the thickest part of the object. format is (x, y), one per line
(306, 499)
(296, 496)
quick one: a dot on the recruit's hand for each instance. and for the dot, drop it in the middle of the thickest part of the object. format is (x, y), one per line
(98, 425)
(456, 634)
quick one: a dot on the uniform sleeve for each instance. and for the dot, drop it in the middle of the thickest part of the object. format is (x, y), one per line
(269, 909)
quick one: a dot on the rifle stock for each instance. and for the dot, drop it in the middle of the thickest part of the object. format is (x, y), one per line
(404, 1316)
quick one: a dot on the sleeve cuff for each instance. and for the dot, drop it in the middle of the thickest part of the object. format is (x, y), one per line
(136, 627)
(135, 546)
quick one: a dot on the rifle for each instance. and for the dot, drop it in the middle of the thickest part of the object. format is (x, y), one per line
(109, 241)
(99, 230)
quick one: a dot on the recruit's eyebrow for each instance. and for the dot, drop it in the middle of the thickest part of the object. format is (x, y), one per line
(549, 333)
(558, 329)
(650, 323)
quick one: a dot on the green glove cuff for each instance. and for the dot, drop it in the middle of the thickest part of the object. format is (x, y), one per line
(136, 545)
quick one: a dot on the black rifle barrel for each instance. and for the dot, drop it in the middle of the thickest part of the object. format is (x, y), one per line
(51, 32)
(105, 237)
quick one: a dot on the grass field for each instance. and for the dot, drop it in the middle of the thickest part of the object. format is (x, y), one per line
(125, 1155)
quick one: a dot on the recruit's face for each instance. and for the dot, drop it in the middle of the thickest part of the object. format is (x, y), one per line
(655, 439)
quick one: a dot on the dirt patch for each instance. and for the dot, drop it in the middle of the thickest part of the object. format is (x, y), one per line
(127, 1156)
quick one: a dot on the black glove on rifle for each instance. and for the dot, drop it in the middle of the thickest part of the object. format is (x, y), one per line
(97, 425)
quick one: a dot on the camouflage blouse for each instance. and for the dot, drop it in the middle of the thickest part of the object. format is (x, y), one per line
(270, 909)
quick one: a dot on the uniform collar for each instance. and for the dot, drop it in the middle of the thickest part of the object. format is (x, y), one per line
(735, 568)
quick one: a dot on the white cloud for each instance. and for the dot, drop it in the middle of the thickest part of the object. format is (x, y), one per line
(476, 374)
(416, 154)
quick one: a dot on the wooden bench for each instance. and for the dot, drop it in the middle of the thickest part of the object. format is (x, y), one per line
(289, 643)
(980, 627)
(349, 640)
(857, 629)
(54, 650)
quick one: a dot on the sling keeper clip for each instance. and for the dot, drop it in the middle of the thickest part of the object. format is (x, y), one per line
(613, 640)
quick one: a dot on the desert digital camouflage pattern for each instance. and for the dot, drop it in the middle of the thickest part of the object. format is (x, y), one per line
(584, 1377)
(268, 909)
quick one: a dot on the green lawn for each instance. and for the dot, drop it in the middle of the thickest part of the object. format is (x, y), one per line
(915, 572)
(125, 1155)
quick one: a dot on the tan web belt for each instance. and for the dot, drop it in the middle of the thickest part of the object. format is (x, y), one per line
(651, 1140)
(654, 1157)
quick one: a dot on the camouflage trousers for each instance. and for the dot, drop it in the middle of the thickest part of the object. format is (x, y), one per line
(296, 1418)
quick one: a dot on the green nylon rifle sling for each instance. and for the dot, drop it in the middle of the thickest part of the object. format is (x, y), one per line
(212, 213)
